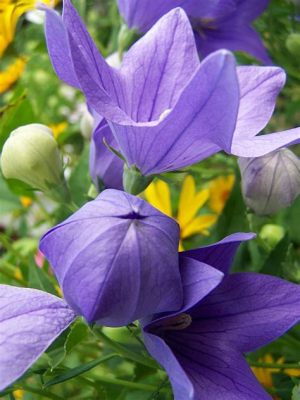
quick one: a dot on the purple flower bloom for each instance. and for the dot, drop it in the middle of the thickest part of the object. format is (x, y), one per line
(219, 24)
(202, 345)
(116, 259)
(104, 165)
(30, 320)
(165, 109)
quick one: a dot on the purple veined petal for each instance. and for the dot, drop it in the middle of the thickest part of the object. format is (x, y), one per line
(142, 14)
(120, 251)
(182, 386)
(58, 47)
(234, 36)
(198, 280)
(219, 255)
(157, 68)
(200, 368)
(259, 88)
(201, 123)
(104, 164)
(264, 144)
(248, 311)
(30, 320)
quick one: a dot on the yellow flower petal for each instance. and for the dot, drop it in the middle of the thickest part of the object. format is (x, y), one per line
(18, 394)
(198, 225)
(158, 194)
(10, 12)
(190, 201)
(25, 201)
(220, 189)
(11, 74)
(57, 129)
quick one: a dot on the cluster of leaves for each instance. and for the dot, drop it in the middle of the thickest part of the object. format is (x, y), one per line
(104, 363)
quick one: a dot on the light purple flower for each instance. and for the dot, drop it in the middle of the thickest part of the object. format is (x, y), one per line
(105, 166)
(116, 259)
(218, 24)
(165, 109)
(30, 320)
(202, 345)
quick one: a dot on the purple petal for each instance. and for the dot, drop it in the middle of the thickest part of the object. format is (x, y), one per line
(201, 123)
(110, 246)
(249, 10)
(264, 144)
(156, 68)
(219, 255)
(233, 35)
(58, 47)
(259, 88)
(183, 388)
(104, 164)
(200, 368)
(248, 311)
(30, 320)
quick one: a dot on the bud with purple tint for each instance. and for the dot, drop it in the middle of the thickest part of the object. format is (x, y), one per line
(271, 182)
(116, 259)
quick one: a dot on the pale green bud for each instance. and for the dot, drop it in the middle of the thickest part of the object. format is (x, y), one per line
(31, 155)
(272, 234)
(293, 44)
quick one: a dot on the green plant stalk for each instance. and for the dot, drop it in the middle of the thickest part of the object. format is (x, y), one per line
(274, 365)
(129, 355)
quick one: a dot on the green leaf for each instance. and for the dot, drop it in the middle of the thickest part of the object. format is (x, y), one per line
(296, 393)
(74, 372)
(38, 279)
(8, 202)
(80, 182)
(274, 263)
(233, 218)
(79, 331)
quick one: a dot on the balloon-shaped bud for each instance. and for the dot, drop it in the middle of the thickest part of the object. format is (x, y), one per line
(116, 259)
(271, 182)
(293, 44)
(31, 155)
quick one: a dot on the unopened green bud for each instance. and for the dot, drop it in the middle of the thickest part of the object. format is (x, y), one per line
(31, 155)
(272, 234)
(293, 44)
(133, 181)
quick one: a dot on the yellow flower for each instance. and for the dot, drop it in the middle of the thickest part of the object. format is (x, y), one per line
(220, 189)
(190, 202)
(9, 76)
(18, 394)
(25, 201)
(10, 12)
(57, 129)
(264, 375)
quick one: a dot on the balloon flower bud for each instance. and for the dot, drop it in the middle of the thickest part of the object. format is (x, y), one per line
(271, 182)
(116, 259)
(293, 44)
(31, 155)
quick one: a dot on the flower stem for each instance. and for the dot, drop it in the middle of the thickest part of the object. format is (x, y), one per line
(274, 365)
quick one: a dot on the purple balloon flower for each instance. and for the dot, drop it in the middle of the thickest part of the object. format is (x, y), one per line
(116, 259)
(30, 320)
(202, 345)
(167, 110)
(218, 24)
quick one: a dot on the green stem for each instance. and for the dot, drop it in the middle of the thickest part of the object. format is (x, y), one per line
(129, 355)
(42, 393)
(128, 384)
